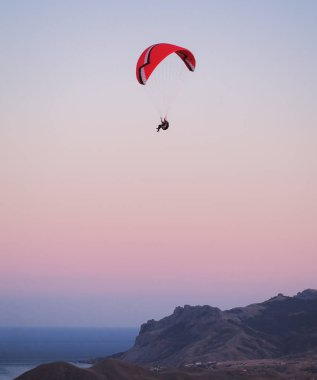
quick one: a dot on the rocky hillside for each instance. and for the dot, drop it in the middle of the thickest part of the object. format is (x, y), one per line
(111, 369)
(277, 327)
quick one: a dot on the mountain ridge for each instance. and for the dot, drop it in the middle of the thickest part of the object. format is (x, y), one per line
(279, 326)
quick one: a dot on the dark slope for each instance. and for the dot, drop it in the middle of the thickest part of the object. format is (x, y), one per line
(113, 369)
(106, 369)
(60, 371)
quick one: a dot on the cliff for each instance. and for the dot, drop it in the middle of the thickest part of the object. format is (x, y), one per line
(277, 327)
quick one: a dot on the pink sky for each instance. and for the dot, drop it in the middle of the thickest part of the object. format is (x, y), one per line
(220, 209)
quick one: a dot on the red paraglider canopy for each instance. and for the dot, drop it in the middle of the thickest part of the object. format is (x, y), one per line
(153, 55)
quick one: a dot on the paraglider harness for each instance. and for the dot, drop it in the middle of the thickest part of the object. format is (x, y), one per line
(164, 125)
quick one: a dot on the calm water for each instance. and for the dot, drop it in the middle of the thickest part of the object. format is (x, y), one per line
(24, 348)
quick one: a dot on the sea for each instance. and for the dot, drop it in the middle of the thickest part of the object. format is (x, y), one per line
(24, 348)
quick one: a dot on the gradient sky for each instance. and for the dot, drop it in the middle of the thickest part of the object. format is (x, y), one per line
(103, 221)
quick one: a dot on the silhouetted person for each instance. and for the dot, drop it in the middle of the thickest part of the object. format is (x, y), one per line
(164, 125)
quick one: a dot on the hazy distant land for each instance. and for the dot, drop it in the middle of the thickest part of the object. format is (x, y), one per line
(24, 348)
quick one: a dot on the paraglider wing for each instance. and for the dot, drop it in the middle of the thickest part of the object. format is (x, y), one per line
(153, 55)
